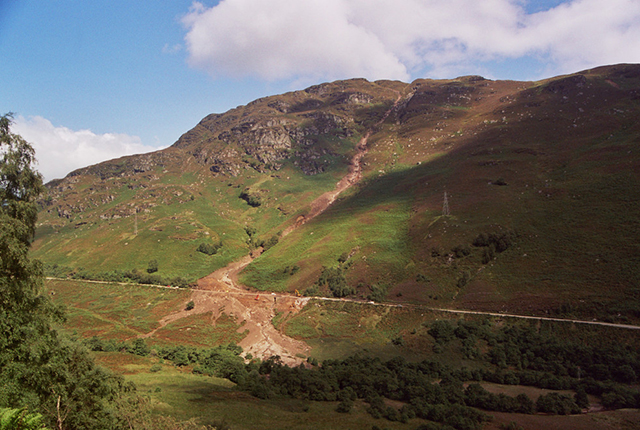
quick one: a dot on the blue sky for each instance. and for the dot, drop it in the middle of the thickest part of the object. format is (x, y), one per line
(94, 80)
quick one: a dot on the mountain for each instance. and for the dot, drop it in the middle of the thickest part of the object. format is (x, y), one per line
(540, 179)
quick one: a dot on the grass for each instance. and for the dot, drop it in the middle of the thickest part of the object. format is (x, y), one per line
(198, 330)
(175, 216)
(376, 231)
(113, 310)
(213, 400)
(121, 312)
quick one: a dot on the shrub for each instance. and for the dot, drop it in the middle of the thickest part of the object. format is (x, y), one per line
(152, 267)
(190, 306)
(343, 257)
(556, 403)
(397, 341)
(344, 407)
(463, 280)
(501, 242)
(460, 251)
(442, 331)
(155, 368)
(499, 181)
(209, 248)
(291, 270)
(252, 200)
(139, 347)
(273, 241)
(378, 293)
(336, 281)
(421, 278)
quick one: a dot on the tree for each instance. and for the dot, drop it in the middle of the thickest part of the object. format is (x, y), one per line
(39, 370)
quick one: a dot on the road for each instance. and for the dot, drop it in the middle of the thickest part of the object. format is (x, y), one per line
(249, 294)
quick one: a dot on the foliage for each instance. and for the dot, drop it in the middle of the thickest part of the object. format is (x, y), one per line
(136, 412)
(291, 270)
(271, 242)
(555, 403)
(252, 200)
(152, 267)
(209, 248)
(377, 293)
(19, 419)
(460, 251)
(442, 331)
(132, 276)
(39, 369)
(333, 277)
(190, 305)
(492, 243)
(222, 361)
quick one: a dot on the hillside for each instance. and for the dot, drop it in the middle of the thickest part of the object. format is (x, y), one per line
(541, 181)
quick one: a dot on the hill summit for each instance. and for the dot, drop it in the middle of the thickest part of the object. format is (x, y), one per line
(494, 195)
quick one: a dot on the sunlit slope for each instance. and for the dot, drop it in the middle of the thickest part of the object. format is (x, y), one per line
(256, 166)
(551, 170)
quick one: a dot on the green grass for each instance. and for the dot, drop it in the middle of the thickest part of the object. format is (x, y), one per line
(113, 310)
(374, 230)
(198, 330)
(213, 400)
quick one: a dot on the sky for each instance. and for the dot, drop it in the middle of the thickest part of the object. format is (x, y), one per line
(89, 81)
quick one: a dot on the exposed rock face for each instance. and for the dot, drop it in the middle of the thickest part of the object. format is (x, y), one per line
(266, 132)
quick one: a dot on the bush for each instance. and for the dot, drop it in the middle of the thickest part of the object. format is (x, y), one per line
(152, 267)
(252, 200)
(139, 347)
(273, 241)
(442, 331)
(555, 403)
(460, 251)
(499, 181)
(501, 242)
(336, 281)
(209, 248)
(291, 270)
(190, 306)
(398, 341)
(378, 293)
(344, 407)
(155, 368)
(463, 280)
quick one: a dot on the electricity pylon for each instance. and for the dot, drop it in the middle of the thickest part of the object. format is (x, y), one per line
(445, 205)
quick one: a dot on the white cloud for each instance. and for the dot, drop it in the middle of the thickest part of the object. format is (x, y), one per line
(330, 39)
(60, 150)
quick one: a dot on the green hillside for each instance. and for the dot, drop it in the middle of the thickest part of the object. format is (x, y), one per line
(541, 181)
